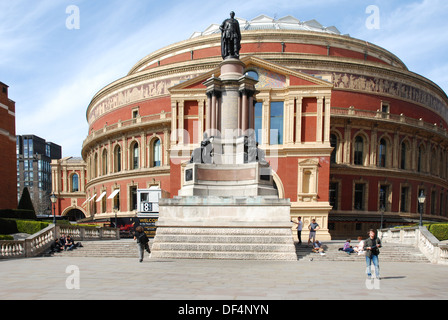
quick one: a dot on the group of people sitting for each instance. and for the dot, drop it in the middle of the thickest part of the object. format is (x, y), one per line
(359, 248)
(64, 243)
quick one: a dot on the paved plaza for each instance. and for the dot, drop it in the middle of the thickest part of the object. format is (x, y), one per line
(71, 278)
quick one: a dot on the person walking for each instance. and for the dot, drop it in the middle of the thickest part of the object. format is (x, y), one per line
(142, 242)
(371, 247)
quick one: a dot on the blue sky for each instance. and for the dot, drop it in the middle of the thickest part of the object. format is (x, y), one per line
(53, 72)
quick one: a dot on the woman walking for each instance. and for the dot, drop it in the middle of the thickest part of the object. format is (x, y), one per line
(371, 246)
(142, 241)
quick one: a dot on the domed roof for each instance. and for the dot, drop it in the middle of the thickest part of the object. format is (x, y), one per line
(264, 22)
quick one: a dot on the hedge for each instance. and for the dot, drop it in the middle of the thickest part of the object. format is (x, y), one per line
(439, 230)
(17, 214)
(10, 226)
(6, 237)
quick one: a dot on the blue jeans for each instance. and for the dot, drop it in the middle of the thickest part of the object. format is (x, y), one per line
(369, 260)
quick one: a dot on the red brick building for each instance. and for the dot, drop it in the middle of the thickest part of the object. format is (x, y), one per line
(352, 135)
(8, 167)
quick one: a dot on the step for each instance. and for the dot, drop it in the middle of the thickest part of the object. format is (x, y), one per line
(223, 239)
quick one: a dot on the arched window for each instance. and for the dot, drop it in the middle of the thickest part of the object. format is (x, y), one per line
(157, 153)
(134, 156)
(74, 183)
(95, 166)
(382, 153)
(404, 151)
(104, 162)
(253, 74)
(359, 151)
(117, 159)
(420, 159)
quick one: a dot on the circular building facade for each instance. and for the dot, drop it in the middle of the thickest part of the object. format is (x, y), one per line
(353, 136)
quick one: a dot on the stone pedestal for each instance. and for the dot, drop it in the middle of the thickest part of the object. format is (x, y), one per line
(247, 228)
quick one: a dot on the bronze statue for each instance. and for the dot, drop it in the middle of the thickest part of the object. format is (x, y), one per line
(230, 38)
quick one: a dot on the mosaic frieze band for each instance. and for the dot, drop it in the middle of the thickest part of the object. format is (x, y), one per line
(391, 88)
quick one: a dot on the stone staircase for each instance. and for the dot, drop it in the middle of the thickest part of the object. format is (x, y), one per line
(124, 248)
(389, 252)
(274, 243)
(127, 248)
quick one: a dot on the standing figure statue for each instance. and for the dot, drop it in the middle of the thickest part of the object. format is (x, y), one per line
(230, 38)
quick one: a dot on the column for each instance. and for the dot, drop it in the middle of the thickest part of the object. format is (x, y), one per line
(299, 119)
(327, 119)
(320, 101)
(173, 122)
(208, 120)
(245, 111)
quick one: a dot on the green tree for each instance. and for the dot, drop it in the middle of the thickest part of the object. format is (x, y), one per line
(25, 202)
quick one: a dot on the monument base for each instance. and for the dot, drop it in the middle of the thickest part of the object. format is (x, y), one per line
(240, 228)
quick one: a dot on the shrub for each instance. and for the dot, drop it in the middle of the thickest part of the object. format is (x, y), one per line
(8, 226)
(439, 230)
(6, 237)
(17, 214)
(30, 227)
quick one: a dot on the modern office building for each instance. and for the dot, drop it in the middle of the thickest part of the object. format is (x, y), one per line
(8, 196)
(34, 156)
(352, 134)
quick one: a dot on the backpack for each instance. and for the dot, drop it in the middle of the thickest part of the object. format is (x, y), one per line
(142, 238)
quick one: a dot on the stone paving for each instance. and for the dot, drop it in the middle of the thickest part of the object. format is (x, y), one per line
(51, 278)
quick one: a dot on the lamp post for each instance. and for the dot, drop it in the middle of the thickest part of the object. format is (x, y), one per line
(53, 199)
(421, 200)
(115, 211)
(382, 215)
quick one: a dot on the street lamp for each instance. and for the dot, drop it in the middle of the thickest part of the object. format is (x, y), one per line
(115, 211)
(53, 199)
(421, 200)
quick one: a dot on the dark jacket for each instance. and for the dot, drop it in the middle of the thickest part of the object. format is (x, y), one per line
(141, 237)
(373, 244)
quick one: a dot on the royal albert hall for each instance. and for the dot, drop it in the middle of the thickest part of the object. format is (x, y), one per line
(353, 136)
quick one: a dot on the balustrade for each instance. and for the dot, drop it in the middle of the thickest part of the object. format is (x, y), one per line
(435, 250)
(41, 241)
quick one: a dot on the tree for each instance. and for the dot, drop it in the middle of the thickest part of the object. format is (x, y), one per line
(25, 202)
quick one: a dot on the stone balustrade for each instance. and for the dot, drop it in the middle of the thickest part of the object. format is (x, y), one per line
(436, 251)
(41, 241)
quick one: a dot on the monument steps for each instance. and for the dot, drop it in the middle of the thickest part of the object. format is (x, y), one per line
(127, 248)
(389, 252)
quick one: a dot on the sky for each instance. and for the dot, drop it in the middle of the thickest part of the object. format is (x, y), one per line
(55, 55)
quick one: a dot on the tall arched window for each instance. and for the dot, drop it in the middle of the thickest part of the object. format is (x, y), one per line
(74, 183)
(382, 153)
(117, 159)
(157, 153)
(359, 151)
(420, 159)
(104, 162)
(134, 156)
(95, 166)
(404, 151)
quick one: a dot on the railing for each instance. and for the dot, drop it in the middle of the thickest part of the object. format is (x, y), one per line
(384, 116)
(120, 125)
(436, 251)
(41, 241)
